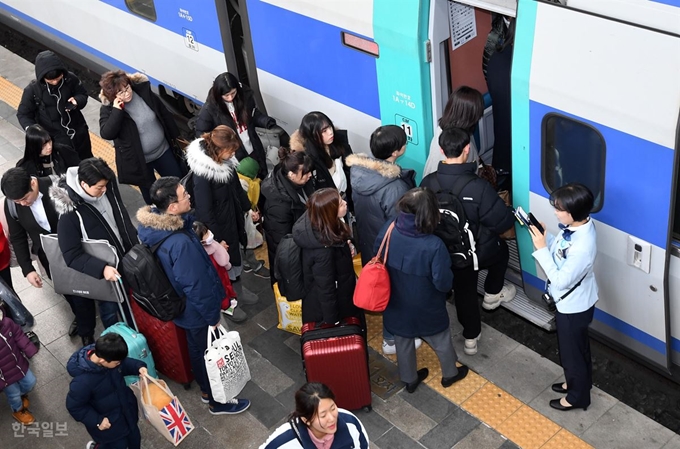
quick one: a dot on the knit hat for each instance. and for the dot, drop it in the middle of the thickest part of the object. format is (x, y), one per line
(248, 167)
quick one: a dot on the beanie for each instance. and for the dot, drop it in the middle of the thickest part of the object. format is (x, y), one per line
(248, 167)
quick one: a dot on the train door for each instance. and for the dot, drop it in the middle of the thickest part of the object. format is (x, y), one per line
(595, 99)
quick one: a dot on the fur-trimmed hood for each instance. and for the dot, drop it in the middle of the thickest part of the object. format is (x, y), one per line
(135, 78)
(150, 217)
(369, 175)
(60, 194)
(384, 168)
(202, 165)
(297, 142)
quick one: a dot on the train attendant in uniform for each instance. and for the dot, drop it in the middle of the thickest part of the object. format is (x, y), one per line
(318, 422)
(568, 261)
(141, 127)
(232, 104)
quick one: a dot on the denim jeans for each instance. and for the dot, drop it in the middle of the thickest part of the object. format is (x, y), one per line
(166, 165)
(17, 389)
(387, 335)
(197, 342)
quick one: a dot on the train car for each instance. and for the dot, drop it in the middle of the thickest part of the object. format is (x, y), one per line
(585, 90)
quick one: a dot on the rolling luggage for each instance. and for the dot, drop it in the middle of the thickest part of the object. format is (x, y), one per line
(168, 344)
(337, 356)
(137, 348)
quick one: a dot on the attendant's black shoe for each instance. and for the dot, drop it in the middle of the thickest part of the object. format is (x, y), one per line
(87, 340)
(557, 388)
(557, 405)
(73, 328)
(422, 375)
(462, 372)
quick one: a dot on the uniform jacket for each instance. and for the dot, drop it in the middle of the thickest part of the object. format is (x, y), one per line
(67, 202)
(377, 185)
(49, 109)
(63, 157)
(486, 212)
(282, 207)
(15, 350)
(97, 392)
(220, 200)
(329, 276)
(25, 226)
(212, 116)
(350, 434)
(117, 125)
(420, 276)
(186, 264)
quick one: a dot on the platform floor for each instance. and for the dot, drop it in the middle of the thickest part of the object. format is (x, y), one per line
(503, 403)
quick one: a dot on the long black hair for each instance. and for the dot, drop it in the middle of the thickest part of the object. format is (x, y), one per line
(464, 109)
(311, 128)
(36, 137)
(223, 84)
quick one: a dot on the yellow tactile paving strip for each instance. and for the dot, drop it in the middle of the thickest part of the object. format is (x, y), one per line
(516, 421)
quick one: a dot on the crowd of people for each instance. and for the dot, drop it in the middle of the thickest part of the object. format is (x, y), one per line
(335, 203)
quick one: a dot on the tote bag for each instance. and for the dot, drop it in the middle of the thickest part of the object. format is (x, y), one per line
(226, 364)
(373, 289)
(68, 281)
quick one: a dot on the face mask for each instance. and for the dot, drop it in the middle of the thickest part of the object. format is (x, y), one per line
(209, 239)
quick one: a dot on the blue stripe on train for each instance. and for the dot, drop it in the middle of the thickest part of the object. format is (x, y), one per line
(637, 177)
(310, 53)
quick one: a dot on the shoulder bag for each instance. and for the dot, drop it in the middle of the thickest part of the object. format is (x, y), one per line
(373, 289)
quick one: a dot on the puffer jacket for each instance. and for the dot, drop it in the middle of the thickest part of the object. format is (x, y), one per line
(186, 264)
(15, 350)
(48, 109)
(377, 185)
(220, 200)
(62, 157)
(117, 125)
(97, 392)
(329, 276)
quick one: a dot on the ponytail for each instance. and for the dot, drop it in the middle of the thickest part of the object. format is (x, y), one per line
(219, 139)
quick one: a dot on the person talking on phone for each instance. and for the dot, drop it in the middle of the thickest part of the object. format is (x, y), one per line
(567, 260)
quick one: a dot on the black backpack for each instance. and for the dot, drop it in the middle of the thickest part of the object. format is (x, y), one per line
(151, 287)
(288, 269)
(453, 228)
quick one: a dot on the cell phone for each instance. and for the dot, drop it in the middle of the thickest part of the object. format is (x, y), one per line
(535, 223)
(69, 106)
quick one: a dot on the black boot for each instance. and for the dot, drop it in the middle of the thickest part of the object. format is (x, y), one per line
(87, 340)
(73, 328)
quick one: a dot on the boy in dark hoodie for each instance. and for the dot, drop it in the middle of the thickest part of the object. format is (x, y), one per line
(98, 396)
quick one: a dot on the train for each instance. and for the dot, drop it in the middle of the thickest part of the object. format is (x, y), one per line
(593, 95)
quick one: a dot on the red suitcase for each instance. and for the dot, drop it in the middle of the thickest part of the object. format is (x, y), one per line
(168, 344)
(337, 356)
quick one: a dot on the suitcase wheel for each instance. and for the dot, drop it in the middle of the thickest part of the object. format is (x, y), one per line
(367, 408)
(187, 385)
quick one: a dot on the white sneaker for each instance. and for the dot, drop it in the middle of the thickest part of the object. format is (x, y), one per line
(391, 349)
(506, 294)
(470, 347)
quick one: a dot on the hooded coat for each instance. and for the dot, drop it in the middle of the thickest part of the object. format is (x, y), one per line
(15, 350)
(97, 392)
(377, 185)
(117, 125)
(329, 276)
(212, 115)
(220, 200)
(281, 208)
(67, 200)
(45, 105)
(186, 264)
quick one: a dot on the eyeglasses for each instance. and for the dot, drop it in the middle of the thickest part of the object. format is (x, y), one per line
(124, 90)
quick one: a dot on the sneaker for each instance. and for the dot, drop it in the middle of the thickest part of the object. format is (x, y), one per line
(262, 272)
(205, 398)
(25, 403)
(246, 297)
(470, 347)
(91, 445)
(234, 313)
(232, 407)
(506, 294)
(462, 372)
(391, 349)
(24, 417)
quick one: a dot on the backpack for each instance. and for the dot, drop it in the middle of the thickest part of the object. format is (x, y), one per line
(288, 269)
(453, 228)
(150, 286)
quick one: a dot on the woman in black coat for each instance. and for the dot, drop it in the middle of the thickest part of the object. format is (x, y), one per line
(284, 195)
(43, 157)
(230, 103)
(141, 127)
(326, 259)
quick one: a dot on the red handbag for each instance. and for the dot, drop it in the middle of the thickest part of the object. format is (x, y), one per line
(372, 292)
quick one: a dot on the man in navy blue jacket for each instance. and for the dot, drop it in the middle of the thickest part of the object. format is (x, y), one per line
(191, 272)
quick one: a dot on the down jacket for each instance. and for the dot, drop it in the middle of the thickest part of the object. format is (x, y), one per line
(220, 200)
(186, 264)
(377, 185)
(97, 392)
(329, 277)
(15, 350)
(117, 125)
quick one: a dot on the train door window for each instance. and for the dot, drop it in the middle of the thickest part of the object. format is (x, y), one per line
(144, 8)
(572, 151)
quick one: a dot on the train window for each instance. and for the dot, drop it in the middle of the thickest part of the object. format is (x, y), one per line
(144, 8)
(572, 151)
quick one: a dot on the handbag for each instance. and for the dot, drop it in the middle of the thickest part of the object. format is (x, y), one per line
(510, 233)
(373, 289)
(225, 363)
(68, 281)
(14, 307)
(290, 312)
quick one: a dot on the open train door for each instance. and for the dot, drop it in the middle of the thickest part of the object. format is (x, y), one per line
(595, 99)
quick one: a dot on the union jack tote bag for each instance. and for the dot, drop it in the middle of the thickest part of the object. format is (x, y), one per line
(163, 410)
